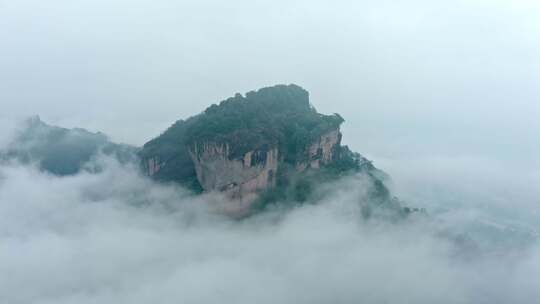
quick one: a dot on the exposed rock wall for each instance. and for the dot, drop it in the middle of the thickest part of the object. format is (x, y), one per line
(255, 170)
(153, 165)
(321, 152)
(241, 179)
(244, 178)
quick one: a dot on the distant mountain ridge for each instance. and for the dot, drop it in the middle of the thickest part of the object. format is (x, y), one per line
(62, 151)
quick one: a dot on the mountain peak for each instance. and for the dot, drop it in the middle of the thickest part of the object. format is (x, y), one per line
(279, 98)
(268, 145)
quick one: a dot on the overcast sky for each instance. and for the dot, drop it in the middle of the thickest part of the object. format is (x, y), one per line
(418, 79)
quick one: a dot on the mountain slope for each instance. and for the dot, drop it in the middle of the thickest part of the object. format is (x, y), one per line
(267, 146)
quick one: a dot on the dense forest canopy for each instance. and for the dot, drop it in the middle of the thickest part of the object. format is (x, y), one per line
(279, 115)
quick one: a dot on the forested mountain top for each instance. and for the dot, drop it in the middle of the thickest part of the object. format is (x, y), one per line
(277, 115)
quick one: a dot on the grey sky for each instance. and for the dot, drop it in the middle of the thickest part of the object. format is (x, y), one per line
(458, 75)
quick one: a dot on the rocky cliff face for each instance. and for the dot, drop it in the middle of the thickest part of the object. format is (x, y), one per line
(153, 165)
(322, 151)
(255, 172)
(241, 178)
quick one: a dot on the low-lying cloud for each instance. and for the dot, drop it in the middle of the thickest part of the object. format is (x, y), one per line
(118, 237)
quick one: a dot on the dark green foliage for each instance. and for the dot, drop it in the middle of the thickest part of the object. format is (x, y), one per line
(302, 190)
(294, 187)
(279, 115)
(171, 149)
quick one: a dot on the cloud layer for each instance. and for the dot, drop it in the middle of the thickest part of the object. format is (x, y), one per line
(116, 237)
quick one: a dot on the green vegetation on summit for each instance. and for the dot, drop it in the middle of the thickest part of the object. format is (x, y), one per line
(279, 115)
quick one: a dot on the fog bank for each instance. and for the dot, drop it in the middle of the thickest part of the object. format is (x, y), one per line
(117, 237)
